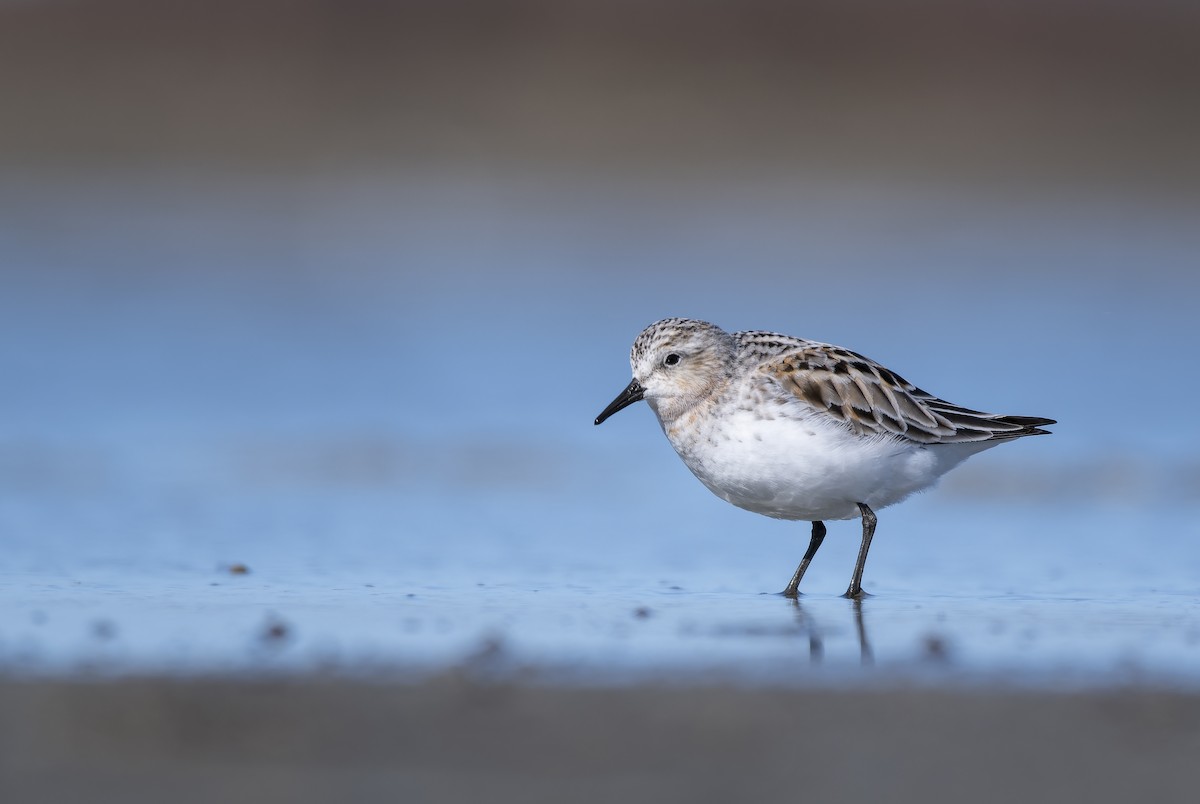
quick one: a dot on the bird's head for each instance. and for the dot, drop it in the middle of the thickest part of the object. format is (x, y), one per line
(676, 362)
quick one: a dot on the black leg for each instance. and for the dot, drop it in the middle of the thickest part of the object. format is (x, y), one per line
(818, 536)
(868, 519)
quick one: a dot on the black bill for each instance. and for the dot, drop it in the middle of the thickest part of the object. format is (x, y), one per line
(632, 393)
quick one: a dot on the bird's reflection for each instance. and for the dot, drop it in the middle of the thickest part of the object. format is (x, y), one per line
(816, 640)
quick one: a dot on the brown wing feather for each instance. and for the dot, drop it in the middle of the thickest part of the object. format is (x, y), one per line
(872, 400)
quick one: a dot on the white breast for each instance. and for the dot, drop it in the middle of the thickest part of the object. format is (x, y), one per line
(791, 463)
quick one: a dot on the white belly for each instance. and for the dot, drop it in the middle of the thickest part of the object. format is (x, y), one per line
(808, 468)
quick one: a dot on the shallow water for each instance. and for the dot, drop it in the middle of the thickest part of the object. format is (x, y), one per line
(377, 396)
(994, 606)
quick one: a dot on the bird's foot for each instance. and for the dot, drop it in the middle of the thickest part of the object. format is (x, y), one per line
(856, 594)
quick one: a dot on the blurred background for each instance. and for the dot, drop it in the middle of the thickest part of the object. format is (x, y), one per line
(335, 289)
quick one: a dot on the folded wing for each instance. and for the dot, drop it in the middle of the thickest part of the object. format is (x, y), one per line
(873, 400)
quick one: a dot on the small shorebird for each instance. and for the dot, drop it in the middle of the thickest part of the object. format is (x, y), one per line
(796, 429)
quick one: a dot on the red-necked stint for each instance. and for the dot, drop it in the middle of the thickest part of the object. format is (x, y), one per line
(796, 429)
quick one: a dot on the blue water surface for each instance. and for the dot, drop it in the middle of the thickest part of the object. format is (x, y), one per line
(376, 394)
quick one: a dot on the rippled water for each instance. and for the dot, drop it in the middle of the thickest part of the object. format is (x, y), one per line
(377, 397)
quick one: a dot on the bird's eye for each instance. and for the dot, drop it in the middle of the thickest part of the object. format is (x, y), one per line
(671, 359)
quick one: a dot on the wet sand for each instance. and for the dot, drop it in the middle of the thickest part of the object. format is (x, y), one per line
(453, 739)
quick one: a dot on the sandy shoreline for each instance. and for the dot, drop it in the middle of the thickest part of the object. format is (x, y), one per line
(454, 740)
